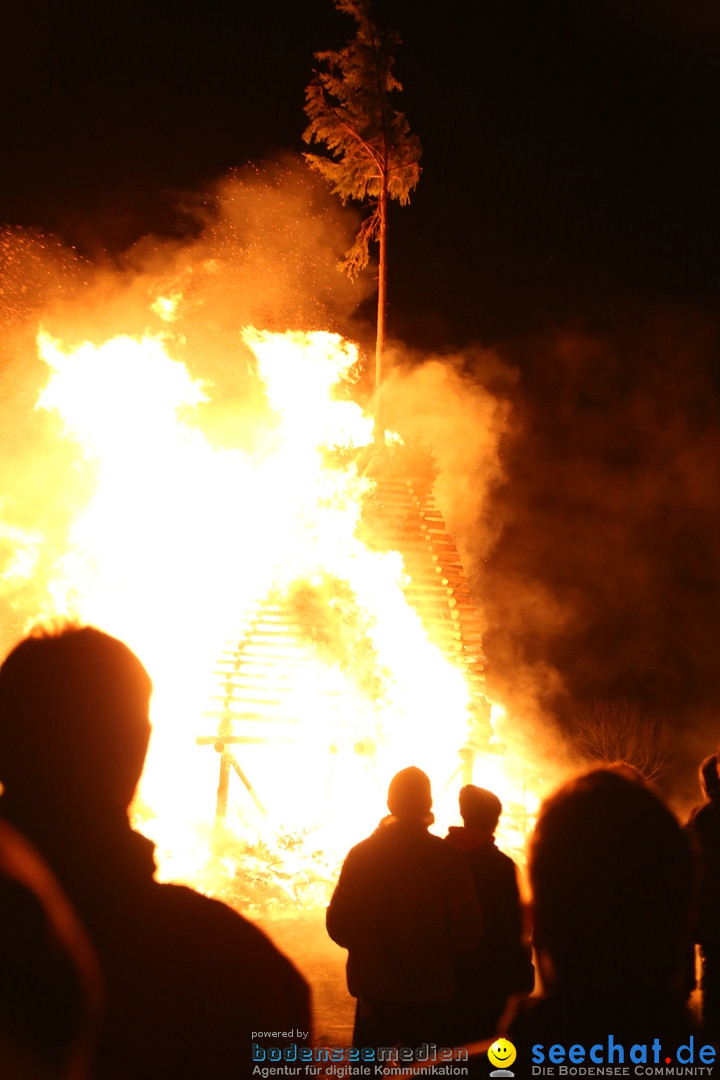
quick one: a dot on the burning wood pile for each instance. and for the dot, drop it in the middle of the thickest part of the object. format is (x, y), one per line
(256, 697)
(321, 650)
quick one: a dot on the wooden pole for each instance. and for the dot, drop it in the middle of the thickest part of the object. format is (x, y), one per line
(379, 431)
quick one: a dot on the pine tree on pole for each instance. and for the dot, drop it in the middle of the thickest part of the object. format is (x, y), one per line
(372, 156)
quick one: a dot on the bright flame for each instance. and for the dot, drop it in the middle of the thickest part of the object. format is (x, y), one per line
(183, 545)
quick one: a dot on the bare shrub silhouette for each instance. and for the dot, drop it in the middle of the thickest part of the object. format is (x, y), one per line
(614, 731)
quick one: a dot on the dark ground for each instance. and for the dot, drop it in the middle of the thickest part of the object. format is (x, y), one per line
(306, 942)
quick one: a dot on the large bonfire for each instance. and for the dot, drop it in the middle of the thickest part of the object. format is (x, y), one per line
(294, 664)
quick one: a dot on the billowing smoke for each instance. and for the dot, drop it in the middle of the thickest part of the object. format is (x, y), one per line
(264, 253)
(604, 587)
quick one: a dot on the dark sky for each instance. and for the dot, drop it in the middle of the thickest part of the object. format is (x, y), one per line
(569, 149)
(567, 215)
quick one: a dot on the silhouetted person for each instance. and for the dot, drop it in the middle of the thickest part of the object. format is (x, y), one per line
(50, 986)
(187, 979)
(404, 906)
(704, 827)
(611, 878)
(500, 965)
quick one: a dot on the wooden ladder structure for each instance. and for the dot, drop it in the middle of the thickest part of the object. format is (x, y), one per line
(256, 673)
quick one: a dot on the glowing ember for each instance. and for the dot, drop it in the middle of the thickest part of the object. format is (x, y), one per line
(240, 578)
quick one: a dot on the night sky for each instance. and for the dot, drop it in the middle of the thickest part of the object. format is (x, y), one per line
(567, 218)
(569, 150)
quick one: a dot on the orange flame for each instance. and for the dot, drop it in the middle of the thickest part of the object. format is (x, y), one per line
(182, 543)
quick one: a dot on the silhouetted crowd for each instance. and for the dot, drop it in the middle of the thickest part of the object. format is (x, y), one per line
(105, 974)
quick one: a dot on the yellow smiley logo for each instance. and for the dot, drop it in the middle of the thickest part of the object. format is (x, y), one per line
(502, 1053)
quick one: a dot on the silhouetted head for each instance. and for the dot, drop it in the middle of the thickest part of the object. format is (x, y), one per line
(410, 795)
(624, 768)
(74, 724)
(709, 779)
(479, 808)
(611, 877)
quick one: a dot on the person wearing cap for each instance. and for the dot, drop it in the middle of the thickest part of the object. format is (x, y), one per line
(404, 907)
(500, 966)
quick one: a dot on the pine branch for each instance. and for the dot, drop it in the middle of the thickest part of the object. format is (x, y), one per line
(369, 148)
(358, 256)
